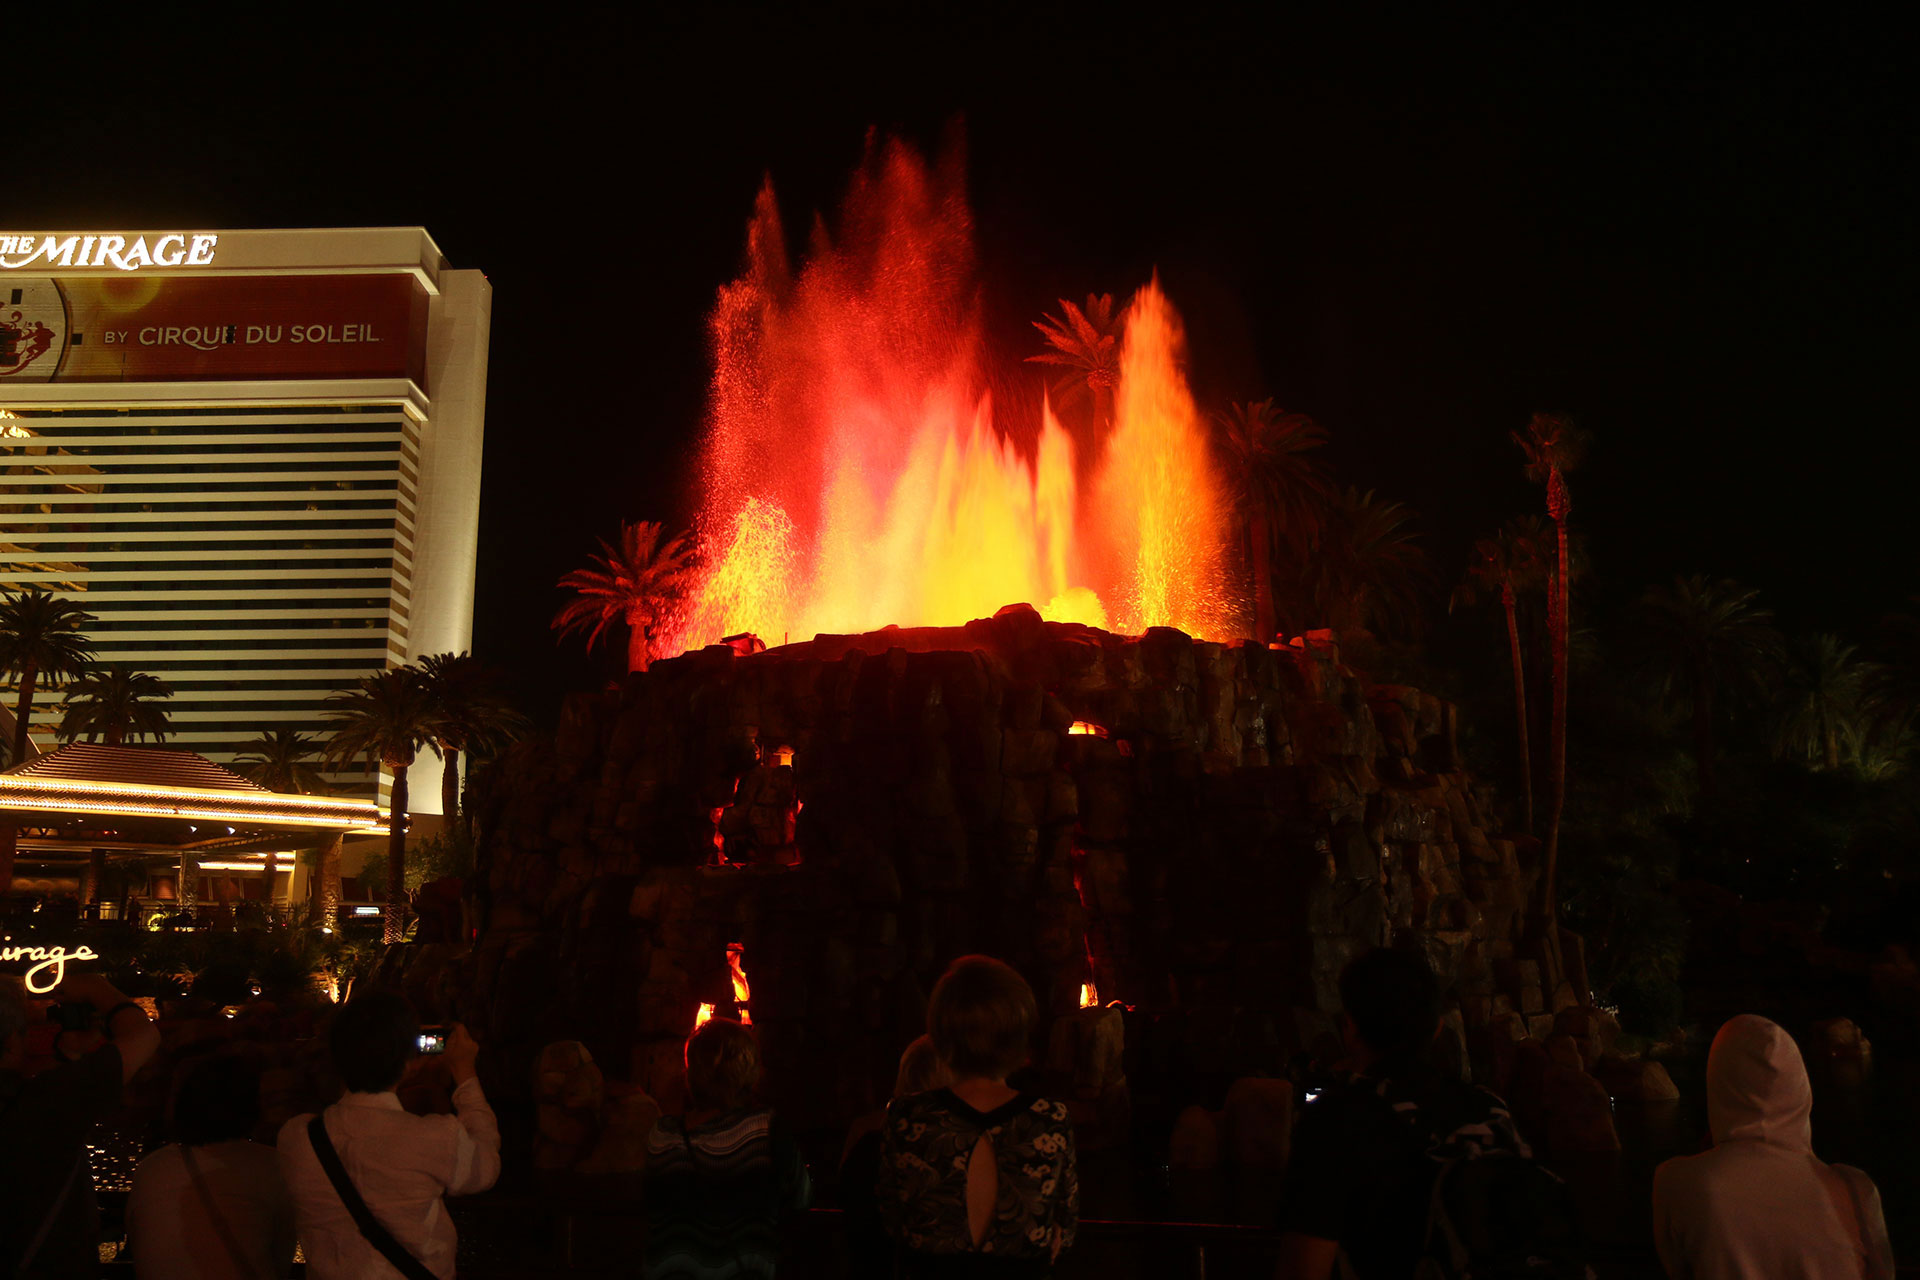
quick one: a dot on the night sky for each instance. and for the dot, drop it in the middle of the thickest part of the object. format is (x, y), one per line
(1694, 236)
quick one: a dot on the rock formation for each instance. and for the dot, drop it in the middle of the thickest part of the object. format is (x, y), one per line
(1205, 832)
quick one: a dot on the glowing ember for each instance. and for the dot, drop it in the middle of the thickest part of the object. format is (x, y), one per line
(703, 1017)
(1089, 998)
(856, 474)
(741, 992)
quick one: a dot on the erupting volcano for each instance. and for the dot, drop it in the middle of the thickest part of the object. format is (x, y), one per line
(856, 474)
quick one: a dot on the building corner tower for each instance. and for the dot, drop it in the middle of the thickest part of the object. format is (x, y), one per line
(253, 456)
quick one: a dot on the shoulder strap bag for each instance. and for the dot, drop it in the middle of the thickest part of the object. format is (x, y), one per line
(9, 1095)
(221, 1228)
(376, 1235)
(46, 1223)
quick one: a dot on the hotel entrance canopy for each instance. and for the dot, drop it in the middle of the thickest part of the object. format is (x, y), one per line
(153, 800)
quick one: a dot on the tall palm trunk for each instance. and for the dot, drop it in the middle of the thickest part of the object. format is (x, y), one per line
(188, 884)
(397, 856)
(1260, 547)
(1833, 747)
(23, 713)
(273, 878)
(1558, 506)
(1519, 705)
(327, 884)
(96, 877)
(23, 710)
(636, 644)
(1102, 389)
(449, 787)
(1703, 733)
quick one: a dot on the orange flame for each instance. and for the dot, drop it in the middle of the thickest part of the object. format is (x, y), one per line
(736, 966)
(703, 1016)
(1089, 998)
(855, 474)
(1158, 495)
(1087, 728)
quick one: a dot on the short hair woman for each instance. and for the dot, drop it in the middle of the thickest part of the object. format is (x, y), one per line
(719, 1177)
(979, 1178)
(213, 1204)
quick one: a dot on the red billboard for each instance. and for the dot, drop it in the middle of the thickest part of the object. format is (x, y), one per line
(198, 329)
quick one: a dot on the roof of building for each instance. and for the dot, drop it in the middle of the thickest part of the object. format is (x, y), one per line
(156, 799)
(137, 766)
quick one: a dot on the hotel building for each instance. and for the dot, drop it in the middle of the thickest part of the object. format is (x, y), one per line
(253, 456)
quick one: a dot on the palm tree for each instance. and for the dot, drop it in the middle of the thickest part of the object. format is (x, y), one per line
(1085, 343)
(1708, 637)
(1896, 680)
(1827, 701)
(1511, 562)
(471, 715)
(1280, 491)
(1553, 446)
(40, 638)
(277, 760)
(115, 704)
(637, 583)
(389, 718)
(1364, 571)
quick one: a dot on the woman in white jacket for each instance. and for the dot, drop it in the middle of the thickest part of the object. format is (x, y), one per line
(1760, 1203)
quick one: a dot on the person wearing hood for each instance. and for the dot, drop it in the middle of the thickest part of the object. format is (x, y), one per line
(1760, 1203)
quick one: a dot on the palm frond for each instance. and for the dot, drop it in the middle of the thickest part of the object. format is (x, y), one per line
(44, 633)
(635, 583)
(277, 761)
(115, 704)
(386, 718)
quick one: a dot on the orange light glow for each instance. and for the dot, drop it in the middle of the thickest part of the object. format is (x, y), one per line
(856, 473)
(1161, 503)
(76, 795)
(703, 1016)
(1089, 998)
(1086, 728)
(736, 955)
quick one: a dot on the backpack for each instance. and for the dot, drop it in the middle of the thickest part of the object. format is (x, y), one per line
(1494, 1211)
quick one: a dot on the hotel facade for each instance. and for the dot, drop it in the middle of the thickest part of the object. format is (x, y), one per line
(253, 456)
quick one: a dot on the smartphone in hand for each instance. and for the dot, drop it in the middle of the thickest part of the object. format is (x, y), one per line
(432, 1040)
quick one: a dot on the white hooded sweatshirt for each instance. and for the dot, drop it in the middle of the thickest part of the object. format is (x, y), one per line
(1761, 1203)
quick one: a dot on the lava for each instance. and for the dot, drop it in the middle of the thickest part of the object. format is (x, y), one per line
(855, 472)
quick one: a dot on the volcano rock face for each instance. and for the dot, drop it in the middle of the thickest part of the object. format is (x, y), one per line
(1242, 823)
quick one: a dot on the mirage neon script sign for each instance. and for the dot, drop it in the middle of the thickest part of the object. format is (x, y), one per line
(47, 960)
(177, 249)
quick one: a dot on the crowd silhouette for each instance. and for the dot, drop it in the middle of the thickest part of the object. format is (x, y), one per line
(1397, 1168)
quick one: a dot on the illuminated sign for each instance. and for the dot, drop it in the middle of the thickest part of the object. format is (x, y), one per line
(177, 249)
(46, 958)
(58, 327)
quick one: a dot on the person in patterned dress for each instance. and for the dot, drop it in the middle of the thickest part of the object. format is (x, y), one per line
(978, 1179)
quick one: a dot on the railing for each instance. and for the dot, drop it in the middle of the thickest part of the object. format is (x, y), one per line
(535, 1236)
(167, 913)
(532, 1237)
